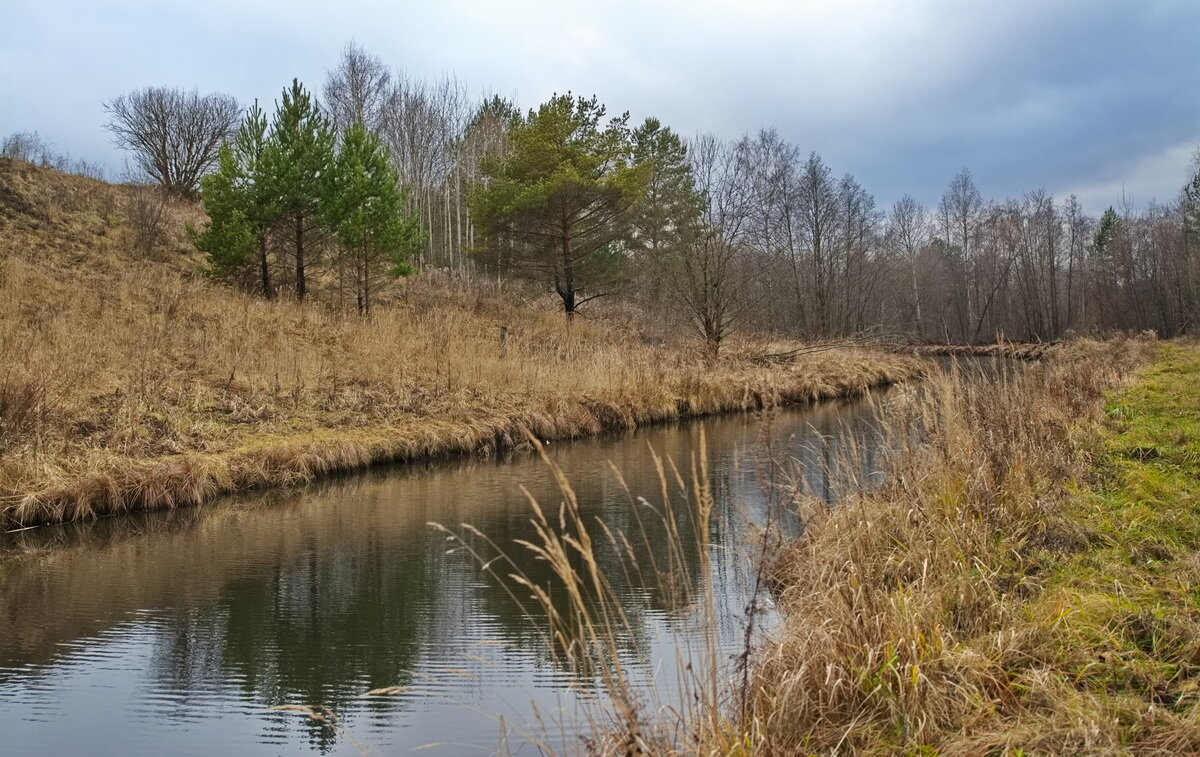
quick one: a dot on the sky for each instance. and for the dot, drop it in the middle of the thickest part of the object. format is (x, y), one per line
(1093, 97)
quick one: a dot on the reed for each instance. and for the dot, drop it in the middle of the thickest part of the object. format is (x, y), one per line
(585, 620)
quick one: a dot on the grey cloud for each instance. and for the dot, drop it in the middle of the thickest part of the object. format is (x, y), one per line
(1027, 94)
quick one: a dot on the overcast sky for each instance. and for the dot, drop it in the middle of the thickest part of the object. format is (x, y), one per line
(1097, 98)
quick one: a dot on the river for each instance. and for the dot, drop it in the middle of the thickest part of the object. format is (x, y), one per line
(178, 632)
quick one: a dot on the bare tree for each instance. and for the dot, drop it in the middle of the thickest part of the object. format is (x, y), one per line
(422, 126)
(29, 147)
(356, 92)
(1189, 247)
(707, 275)
(768, 166)
(819, 221)
(1077, 232)
(907, 235)
(959, 215)
(857, 243)
(174, 135)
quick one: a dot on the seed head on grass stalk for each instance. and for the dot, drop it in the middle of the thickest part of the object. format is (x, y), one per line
(591, 632)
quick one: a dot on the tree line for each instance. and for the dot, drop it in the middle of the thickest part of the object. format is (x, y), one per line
(724, 234)
(292, 180)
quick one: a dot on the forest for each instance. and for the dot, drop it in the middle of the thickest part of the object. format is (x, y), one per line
(752, 233)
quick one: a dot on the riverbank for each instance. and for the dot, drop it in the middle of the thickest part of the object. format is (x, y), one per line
(1026, 582)
(132, 383)
(104, 454)
(1028, 351)
(1005, 350)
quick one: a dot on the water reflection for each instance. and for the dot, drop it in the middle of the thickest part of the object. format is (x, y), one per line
(163, 626)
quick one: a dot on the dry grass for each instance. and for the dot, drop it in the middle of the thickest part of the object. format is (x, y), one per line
(1023, 582)
(131, 382)
(585, 625)
(939, 613)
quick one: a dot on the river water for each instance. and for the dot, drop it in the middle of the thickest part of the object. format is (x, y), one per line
(178, 632)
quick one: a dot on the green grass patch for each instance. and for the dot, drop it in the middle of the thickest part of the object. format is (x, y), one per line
(1131, 637)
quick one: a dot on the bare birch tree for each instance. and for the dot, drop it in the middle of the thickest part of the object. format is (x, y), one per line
(959, 215)
(907, 235)
(356, 92)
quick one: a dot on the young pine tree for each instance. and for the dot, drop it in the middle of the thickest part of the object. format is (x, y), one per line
(667, 216)
(365, 209)
(298, 157)
(240, 207)
(671, 204)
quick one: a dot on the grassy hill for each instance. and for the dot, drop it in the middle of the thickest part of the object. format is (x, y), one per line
(131, 381)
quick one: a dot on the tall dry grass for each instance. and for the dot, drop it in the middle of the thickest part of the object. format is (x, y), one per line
(581, 608)
(131, 382)
(910, 621)
(914, 613)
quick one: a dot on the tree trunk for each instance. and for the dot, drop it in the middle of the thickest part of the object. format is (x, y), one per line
(916, 292)
(364, 305)
(712, 340)
(458, 221)
(566, 289)
(265, 269)
(1071, 283)
(300, 288)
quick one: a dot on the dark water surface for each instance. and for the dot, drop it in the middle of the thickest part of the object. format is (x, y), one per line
(175, 633)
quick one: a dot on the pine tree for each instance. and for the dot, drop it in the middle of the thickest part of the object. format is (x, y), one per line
(239, 206)
(670, 205)
(299, 154)
(562, 196)
(227, 237)
(365, 209)
(1104, 267)
(668, 213)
